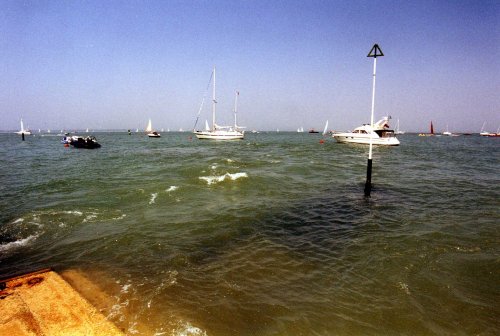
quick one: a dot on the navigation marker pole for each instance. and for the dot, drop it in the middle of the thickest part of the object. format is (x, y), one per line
(374, 52)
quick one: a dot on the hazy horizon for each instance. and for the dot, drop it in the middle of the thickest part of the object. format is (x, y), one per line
(115, 64)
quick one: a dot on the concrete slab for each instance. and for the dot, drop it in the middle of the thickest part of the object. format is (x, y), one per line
(42, 303)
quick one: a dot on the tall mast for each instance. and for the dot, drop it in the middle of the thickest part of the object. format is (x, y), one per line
(236, 109)
(213, 105)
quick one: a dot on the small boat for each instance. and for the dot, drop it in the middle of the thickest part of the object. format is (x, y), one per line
(493, 135)
(150, 132)
(325, 130)
(312, 130)
(428, 134)
(217, 132)
(447, 133)
(397, 131)
(89, 142)
(380, 134)
(154, 134)
(483, 132)
(22, 130)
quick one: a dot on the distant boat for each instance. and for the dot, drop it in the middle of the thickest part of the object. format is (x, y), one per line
(22, 130)
(217, 132)
(497, 134)
(447, 133)
(428, 134)
(312, 130)
(483, 132)
(150, 132)
(89, 142)
(380, 134)
(326, 128)
(300, 130)
(397, 131)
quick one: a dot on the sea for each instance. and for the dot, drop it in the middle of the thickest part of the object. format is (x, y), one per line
(271, 235)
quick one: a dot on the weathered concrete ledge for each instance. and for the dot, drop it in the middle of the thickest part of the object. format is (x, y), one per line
(42, 303)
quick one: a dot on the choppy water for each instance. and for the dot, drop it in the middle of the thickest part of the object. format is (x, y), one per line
(266, 236)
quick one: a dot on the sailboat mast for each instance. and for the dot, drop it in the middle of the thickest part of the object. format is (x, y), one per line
(213, 105)
(236, 109)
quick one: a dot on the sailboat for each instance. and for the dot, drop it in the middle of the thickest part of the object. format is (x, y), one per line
(217, 132)
(483, 132)
(397, 131)
(150, 132)
(448, 133)
(428, 134)
(23, 131)
(326, 128)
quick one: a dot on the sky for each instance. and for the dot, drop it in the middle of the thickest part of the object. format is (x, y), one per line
(115, 64)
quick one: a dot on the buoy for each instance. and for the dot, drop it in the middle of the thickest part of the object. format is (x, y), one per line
(66, 145)
(322, 141)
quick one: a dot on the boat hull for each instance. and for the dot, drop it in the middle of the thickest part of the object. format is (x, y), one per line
(365, 139)
(219, 135)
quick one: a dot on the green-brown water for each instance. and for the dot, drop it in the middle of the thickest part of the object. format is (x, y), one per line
(267, 236)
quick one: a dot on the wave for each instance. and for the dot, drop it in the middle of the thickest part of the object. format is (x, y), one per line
(172, 188)
(186, 329)
(153, 198)
(17, 243)
(216, 179)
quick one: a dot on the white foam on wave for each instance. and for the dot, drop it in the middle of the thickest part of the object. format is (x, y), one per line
(186, 329)
(74, 212)
(90, 217)
(126, 287)
(17, 243)
(19, 220)
(153, 198)
(119, 217)
(172, 188)
(216, 179)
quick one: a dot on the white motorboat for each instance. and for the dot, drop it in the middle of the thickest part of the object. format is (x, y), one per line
(380, 134)
(217, 132)
(23, 131)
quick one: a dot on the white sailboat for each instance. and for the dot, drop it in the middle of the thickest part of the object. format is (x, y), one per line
(397, 131)
(217, 132)
(448, 133)
(483, 132)
(326, 128)
(150, 132)
(22, 130)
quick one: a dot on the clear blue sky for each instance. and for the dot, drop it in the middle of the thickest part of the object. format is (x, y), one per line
(114, 64)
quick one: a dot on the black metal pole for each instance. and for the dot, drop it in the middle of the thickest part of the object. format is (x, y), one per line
(368, 184)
